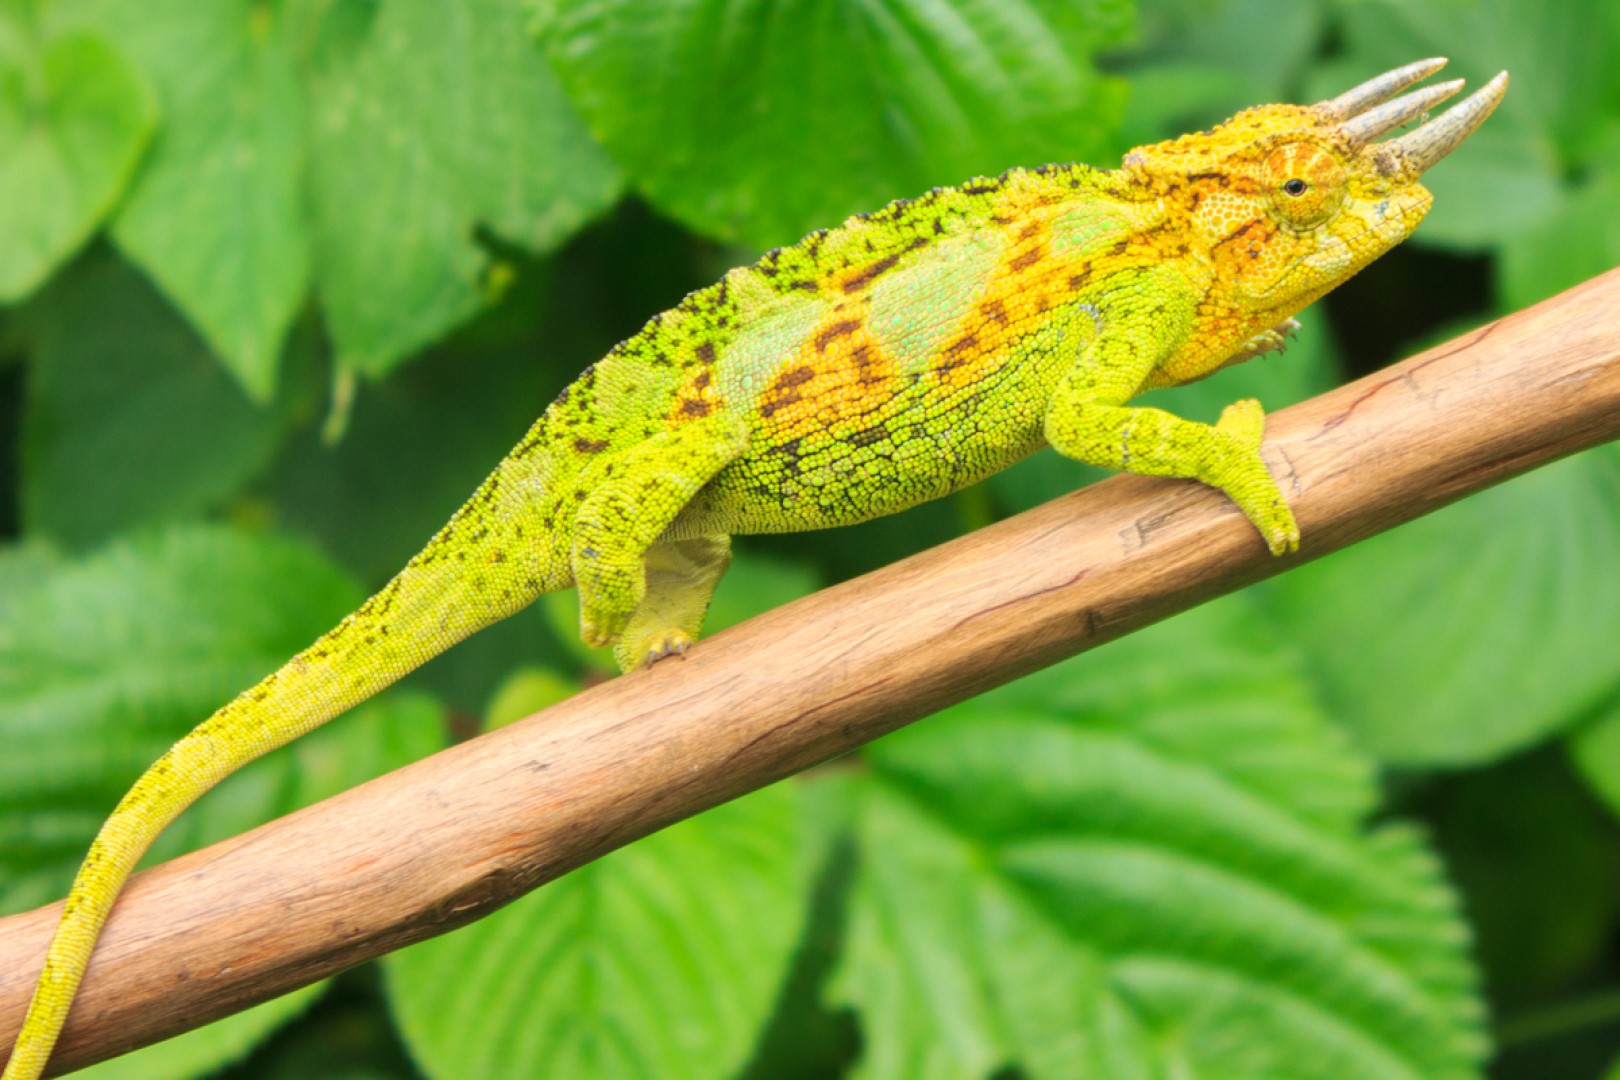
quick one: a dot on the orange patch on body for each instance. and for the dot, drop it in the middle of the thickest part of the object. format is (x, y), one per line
(833, 382)
(1028, 282)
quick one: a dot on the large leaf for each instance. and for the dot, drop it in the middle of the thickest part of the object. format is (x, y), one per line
(662, 959)
(1561, 56)
(74, 117)
(201, 1051)
(1151, 862)
(1476, 630)
(106, 661)
(1580, 242)
(129, 418)
(1182, 71)
(1595, 748)
(215, 217)
(1538, 857)
(429, 120)
(764, 119)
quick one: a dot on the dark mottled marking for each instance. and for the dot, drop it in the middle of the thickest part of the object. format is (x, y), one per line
(696, 407)
(1026, 260)
(794, 377)
(770, 408)
(590, 446)
(870, 273)
(841, 328)
(996, 311)
(704, 378)
(868, 436)
(791, 454)
(960, 350)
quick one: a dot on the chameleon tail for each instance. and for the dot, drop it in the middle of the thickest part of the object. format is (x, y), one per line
(477, 570)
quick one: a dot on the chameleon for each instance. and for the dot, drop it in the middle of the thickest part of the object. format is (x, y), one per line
(870, 367)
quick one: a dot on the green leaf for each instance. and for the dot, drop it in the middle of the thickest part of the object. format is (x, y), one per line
(765, 119)
(661, 959)
(1580, 242)
(74, 117)
(216, 215)
(1595, 747)
(107, 660)
(1196, 65)
(1150, 862)
(203, 1051)
(1561, 56)
(129, 418)
(429, 121)
(1538, 857)
(1476, 630)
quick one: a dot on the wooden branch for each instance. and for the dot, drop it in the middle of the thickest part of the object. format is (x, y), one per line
(448, 839)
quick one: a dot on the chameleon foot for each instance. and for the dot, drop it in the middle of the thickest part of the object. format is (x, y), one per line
(601, 625)
(1273, 339)
(649, 650)
(1251, 485)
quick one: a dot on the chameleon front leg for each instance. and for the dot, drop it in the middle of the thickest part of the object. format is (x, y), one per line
(1272, 339)
(632, 496)
(1086, 420)
(681, 577)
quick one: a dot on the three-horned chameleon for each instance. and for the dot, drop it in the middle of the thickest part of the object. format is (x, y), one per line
(866, 369)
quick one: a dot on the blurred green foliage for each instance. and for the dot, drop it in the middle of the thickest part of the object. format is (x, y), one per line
(281, 279)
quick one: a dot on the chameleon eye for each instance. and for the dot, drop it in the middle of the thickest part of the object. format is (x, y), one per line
(1296, 187)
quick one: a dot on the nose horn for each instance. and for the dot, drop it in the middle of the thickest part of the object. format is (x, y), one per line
(1378, 90)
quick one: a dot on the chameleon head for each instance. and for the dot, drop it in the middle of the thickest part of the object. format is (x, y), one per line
(1287, 201)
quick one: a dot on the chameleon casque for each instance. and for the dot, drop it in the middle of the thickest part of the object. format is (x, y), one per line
(866, 369)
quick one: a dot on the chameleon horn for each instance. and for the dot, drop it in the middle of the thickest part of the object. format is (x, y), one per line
(1379, 90)
(1419, 150)
(1369, 125)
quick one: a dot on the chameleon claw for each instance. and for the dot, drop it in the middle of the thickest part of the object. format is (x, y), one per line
(659, 647)
(674, 644)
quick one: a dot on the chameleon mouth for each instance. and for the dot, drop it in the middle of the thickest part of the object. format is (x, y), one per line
(1372, 109)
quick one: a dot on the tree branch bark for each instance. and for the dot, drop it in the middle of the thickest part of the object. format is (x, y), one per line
(443, 841)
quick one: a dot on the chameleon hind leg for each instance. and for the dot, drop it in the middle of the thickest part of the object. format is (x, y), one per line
(632, 496)
(681, 577)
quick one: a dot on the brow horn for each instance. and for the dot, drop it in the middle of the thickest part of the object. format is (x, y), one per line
(1387, 117)
(1378, 90)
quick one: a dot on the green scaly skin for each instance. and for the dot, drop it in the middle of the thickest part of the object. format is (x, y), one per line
(866, 369)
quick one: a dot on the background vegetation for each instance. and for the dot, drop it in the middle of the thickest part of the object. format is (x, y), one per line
(279, 281)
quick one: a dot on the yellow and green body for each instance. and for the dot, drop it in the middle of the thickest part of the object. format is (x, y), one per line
(866, 369)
